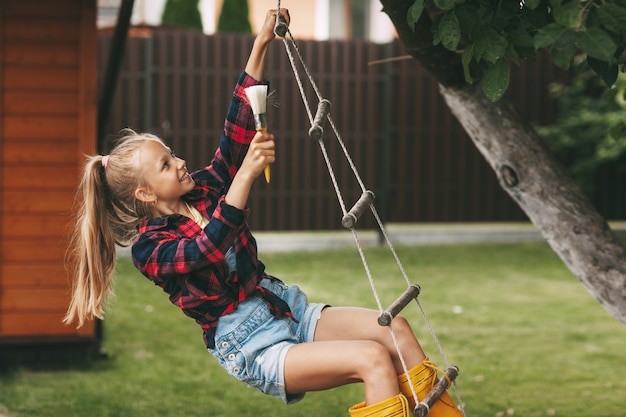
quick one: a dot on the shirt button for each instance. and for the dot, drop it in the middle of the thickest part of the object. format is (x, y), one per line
(224, 345)
(231, 357)
(236, 369)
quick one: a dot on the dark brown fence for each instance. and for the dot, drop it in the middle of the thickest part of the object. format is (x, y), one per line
(405, 143)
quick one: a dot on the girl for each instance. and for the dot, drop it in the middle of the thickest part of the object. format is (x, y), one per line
(190, 237)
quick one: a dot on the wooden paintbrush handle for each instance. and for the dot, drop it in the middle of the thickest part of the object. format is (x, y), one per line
(266, 170)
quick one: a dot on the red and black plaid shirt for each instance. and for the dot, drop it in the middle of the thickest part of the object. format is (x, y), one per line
(188, 262)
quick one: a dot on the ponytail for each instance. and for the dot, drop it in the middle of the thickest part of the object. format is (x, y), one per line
(91, 254)
(107, 215)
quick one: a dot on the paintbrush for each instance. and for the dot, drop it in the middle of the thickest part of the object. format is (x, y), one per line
(257, 97)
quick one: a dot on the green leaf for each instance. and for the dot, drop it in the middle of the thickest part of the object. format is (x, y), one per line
(505, 14)
(466, 59)
(496, 80)
(445, 4)
(597, 43)
(563, 56)
(568, 14)
(490, 45)
(520, 44)
(512, 54)
(450, 32)
(468, 16)
(535, 19)
(550, 34)
(520, 38)
(562, 49)
(606, 70)
(414, 13)
(436, 38)
(612, 17)
(531, 4)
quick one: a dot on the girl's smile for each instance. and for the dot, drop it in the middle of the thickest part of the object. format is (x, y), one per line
(186, 176)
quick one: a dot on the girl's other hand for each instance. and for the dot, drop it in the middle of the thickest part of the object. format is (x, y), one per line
(261, 153)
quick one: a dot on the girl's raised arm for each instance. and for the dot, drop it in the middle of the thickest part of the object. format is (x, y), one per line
(256, 61)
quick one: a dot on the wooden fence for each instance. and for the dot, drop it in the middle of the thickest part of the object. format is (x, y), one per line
(404, 141)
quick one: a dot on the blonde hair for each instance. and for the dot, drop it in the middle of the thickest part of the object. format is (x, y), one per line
(107, 215)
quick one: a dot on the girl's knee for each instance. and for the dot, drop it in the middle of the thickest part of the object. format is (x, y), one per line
(374, 354)
(401, 326)
(404, 333)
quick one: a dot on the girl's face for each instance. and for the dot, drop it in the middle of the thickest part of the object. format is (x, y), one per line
(165, 175)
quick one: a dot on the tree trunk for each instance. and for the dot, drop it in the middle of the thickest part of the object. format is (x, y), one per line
(526, 170)
(549, 197)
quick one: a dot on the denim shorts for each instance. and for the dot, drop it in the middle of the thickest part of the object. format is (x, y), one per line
(251, 344)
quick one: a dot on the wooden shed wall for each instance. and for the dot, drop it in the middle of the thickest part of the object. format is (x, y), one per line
(47, 124)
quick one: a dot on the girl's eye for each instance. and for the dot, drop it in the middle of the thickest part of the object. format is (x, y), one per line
(166, 163)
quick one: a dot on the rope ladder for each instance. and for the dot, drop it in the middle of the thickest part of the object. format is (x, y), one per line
(350, 217)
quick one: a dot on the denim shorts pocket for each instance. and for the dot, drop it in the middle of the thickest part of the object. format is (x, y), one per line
(230, 358)
(235, 332)
(236, 365)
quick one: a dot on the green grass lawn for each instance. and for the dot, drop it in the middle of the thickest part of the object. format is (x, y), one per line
(528, 338)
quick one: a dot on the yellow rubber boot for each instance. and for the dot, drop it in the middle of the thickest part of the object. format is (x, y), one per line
(424, 377)
(397, 406)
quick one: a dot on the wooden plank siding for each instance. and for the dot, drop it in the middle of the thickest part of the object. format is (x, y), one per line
(48, 108)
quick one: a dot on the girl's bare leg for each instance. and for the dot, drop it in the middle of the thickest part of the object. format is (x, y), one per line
(322, 365)
(353, 323)
(349, 347)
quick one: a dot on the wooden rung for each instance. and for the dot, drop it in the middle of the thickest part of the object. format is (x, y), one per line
(424, 406)
(366, 200)
(317, 128)
(386, 316)
(281, 27)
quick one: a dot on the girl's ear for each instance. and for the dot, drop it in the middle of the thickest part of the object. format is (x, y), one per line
(145, 195)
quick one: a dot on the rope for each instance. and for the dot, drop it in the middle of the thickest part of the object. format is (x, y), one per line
(289, 45)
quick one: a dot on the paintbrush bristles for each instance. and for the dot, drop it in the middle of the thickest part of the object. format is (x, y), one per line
(257, 97)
